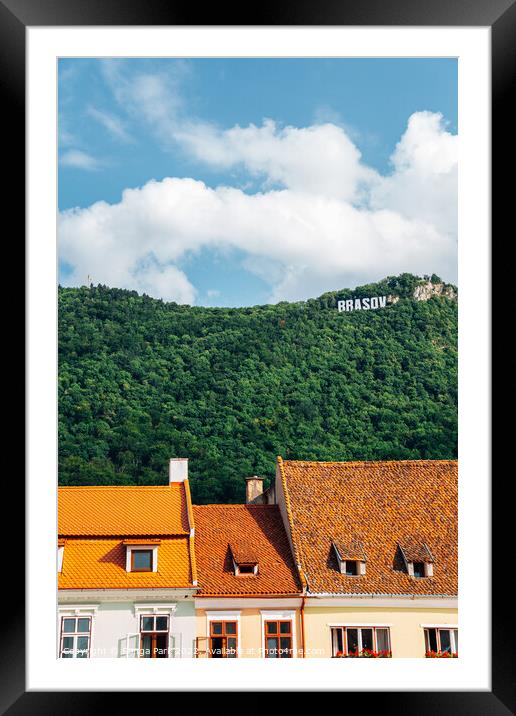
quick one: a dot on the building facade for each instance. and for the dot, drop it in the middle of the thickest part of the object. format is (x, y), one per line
(375, 544)
(350, 559)
(248, 604)
(126, 570)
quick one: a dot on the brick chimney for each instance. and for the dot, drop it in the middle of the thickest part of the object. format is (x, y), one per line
(178, 469)
(253, 488)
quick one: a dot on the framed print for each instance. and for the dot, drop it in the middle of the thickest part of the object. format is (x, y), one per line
(258, 276)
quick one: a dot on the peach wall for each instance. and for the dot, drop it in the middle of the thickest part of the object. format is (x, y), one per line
(250, 640)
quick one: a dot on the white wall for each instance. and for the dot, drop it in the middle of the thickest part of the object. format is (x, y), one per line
(113, 621)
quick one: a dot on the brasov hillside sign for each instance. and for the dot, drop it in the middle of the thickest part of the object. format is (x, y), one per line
(362, 304)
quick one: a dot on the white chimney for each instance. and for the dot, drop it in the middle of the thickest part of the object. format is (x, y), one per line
(178, 469)
(254, 489)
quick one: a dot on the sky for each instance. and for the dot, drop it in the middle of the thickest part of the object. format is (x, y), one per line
(236, 182)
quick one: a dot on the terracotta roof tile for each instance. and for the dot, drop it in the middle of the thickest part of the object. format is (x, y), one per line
(100, 523)
(257, 530)
(100, 564)
(129, 511)
(379, 504)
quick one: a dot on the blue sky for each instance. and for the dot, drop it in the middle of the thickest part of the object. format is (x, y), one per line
(236, 182)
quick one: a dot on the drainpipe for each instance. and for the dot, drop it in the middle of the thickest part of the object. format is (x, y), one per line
(303, 626)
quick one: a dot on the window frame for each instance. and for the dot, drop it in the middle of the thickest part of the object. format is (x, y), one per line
(344, 637)
(154, 633)
(141, 547)
(75, 635)
(452, 628)
(147, 550)
(251, 566)
(278, 636)
(224, 636)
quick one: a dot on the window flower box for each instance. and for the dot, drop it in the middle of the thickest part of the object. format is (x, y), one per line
(365, 654)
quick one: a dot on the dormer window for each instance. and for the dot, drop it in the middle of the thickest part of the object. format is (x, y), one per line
(141, 555)
(245, 560)
(419, 569)
(351, 557)
(351, 568)
(247, 568)
(141, 560)
(418, 558)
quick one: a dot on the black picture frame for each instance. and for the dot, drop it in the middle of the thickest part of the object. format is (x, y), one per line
(500, 16)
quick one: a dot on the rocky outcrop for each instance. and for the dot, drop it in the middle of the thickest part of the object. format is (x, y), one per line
(426, 290)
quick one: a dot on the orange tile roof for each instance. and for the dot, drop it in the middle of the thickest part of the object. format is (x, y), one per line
(100, 523)
(100, 564)
(380, 504)
(129, 511)
(256, 529)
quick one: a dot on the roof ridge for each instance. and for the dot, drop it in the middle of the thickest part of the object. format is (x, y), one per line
(122, 535)
(294, 542)
(118, 487)
(235, 504)
(369, 462)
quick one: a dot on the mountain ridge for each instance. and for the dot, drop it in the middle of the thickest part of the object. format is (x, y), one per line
(141, 380)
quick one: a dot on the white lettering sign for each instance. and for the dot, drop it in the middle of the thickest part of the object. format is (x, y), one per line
(362, 304)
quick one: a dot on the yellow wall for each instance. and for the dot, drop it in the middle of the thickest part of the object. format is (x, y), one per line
(407, 636)
(250, 636)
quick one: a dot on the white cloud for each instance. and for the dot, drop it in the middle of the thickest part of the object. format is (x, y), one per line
(317, 159)
(424, 182)
(320, 159)
(113, 124)
(77, 159)
(148, 96)
(324, 220)
(313, 241)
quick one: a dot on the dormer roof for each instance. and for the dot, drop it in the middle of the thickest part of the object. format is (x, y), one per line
(415, 550)
(349, 549)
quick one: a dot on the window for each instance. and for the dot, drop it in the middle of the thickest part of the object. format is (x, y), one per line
(245, 558)
(419, 570)
(361, 641)
(417, 556)
(351, 557)
(141, 556)
(154, 636)
(75, 637)
(278, 639)
(441, 641)
(223, 640)
(351, 568)
(246, 568)
(141, 560)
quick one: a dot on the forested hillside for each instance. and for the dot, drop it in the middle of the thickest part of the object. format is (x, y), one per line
(141, 381)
